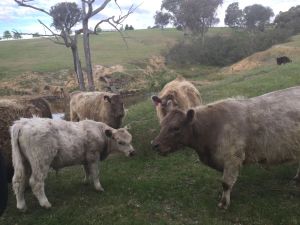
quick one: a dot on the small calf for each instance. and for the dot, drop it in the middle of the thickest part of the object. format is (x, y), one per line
(38, 144)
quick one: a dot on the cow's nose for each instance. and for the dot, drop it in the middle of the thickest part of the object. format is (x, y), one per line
(155, 146)
(132, 153)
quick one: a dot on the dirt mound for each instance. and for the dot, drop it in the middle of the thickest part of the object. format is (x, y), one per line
(267, 57)
(33, 83)
(100, 70)
(131, 78)
(155, 63)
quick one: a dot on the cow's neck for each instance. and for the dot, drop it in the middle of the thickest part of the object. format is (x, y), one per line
(201, 140)
(106, 149)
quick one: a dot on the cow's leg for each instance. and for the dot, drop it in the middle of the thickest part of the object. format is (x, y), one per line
(73, 116)
(87, 174)
(37, 184)
(297, 176)
(94, 171)
(230, 175)
(19, 185)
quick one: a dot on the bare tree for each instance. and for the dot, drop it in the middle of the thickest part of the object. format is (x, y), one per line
(88, 12)
(64, 26)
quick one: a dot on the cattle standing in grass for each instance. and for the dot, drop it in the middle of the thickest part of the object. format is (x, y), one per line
(283, 60)
(3, 185)
(38, 144)
(179, 93)
(233, 132)
(14, 109)
(99, 106)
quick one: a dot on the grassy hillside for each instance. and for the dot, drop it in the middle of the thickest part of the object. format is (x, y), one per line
(108, 48)
(177, 189)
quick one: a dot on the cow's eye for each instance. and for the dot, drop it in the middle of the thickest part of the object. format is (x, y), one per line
(121, 143)
(175, 129)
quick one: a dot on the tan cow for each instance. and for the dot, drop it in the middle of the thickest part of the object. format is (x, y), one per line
(55, 90)
(99, 106)
(236, 132)
(179, 93)
(14, 109)
(39, 143)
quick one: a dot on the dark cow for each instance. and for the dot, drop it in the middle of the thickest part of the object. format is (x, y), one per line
(14, 109)
(3, 185)
(235, 132)
(283, 60)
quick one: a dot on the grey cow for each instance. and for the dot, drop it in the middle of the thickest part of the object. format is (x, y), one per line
(235, 132)
(38, 144)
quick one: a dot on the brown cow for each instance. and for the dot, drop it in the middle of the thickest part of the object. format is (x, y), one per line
(235, 132)
(178, 93)
(14, 109)
(55, 90)
(99, 106)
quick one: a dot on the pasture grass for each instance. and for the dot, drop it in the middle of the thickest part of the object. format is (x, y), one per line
(150, 189)
(178, 189)
(107, 48)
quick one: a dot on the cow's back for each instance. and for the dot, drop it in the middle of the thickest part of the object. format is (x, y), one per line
(274, 125)
(87, 105)
(97, 106)
(57, 142)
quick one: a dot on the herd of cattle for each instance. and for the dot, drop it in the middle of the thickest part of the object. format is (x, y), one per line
(226, 134)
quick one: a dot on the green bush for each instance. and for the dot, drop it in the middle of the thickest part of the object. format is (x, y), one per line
(223, 50)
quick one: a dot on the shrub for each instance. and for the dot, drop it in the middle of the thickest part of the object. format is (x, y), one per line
(221, 50)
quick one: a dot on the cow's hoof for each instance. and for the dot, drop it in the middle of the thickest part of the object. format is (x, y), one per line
(23, 208)
(46, 205)
(296, 179)
(223, 205)
(100, 189)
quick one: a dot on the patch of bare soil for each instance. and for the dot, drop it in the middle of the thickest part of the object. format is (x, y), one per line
(127, 80)
(35, 83)
(117, 78)
(267, 57)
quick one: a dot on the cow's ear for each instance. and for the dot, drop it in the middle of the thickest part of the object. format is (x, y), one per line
(156, 100)
(108, 133)
(170, 105)
(190, 115)
(107, 98)
(127, 127)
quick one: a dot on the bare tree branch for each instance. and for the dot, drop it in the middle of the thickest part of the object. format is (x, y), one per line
(120, 32)
(100, 8)
(115, 22)
(118, 6)
(22, 3)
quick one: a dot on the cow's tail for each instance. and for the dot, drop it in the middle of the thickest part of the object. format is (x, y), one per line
(17, 156)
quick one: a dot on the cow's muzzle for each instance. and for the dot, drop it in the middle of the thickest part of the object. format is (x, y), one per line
(131, 154)
(155, 146)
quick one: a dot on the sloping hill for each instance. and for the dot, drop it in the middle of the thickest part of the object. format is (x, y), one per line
(267, 57)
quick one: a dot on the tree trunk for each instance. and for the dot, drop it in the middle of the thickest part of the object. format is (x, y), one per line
(79, 72)
(75, 64)
(77, 67)
(87, 51)
(88, 60)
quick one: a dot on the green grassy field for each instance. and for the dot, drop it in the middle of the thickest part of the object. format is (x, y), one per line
(108, 48)
(178, 189)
